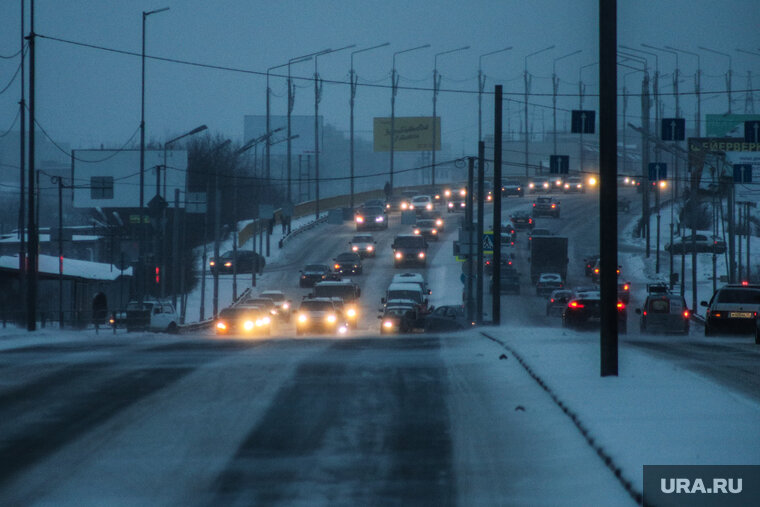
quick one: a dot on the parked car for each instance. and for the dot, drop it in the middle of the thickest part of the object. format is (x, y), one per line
(447, 318)
(705, 244)
(153, 315)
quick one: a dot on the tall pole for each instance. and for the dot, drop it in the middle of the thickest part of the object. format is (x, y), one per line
(470, 239)
(555, 89)
(217, 232)
(142, 269)
(436, 87)
(481, 87)
(59, 180)
(394, 91)
(527, 80)
(496, 273)
(354, 81)
(479, 235)
(728, 73)
(31, 274)
(22, 173)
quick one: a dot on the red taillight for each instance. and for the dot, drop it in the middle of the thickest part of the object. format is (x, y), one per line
(626, 287)
(686, 314)
(534, 204)
(745, 283)
(645, 313)
(337, 266)
(554, 205)
(621, 305)
(575, 304)
(552, 300)
(530, 220)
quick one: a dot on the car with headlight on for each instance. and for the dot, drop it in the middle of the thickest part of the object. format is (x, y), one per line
(512, 187)
(265, 304)
(457, 202)
(370, 218)
(318, 315)
(243, 320)
(409, 249)
(734, 309)
(422, 203)
(283, 305)
(313, 273)
(539, 185)
(348, 263)
(398, 316)
(573, 184)
(437, 217)
(427, 229)
(345, 290)
(364, 245)
(245, 259)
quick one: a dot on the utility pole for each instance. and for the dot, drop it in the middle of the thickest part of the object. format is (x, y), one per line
(496, 273)
(527, 81)
(22, 173)
(469, 226)
(217, 232)
(31, 274)
(481, 87)
(436, 86)
(479, 234)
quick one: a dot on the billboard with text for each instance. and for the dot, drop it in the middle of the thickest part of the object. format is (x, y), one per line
(411, 133)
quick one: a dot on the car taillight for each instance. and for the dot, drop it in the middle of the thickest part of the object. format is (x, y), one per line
(686, 314)
(621, 305)
(645, 313)
(626, 287)
(534, 204)
(575, 304)
(554, 205)
(355, 248)
(530, 220)
(745, 283)
(551, 300)
(398, 255)
(337, 266)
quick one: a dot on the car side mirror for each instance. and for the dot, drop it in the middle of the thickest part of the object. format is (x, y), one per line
(704, 303)
(638, 311)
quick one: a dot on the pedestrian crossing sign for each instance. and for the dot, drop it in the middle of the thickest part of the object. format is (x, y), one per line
(487, 242)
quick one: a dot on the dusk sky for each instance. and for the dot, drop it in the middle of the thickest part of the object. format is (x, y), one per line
(88, 96)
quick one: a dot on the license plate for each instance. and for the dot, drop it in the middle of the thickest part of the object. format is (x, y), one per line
(739, 315)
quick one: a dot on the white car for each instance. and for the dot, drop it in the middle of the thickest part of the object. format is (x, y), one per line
(422, 203)
(412, 278)
(547, 283)
(283, 305)
(155, 315)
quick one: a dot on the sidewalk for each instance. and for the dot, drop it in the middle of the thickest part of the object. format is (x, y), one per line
(653, 413)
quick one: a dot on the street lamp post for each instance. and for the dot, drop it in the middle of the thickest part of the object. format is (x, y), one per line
(555, 89)
(317, 98)
(394, 91)
(481, 87)
(728, 74)
(354, 81)
(527, 91)
(436, 85)
(141, 280)
(175, 252)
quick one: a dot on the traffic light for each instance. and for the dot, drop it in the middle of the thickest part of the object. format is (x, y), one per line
(158, 275)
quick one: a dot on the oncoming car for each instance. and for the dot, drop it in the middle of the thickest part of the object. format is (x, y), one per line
(281, 303)
(363, 244)
(319, 315)
(243, 320)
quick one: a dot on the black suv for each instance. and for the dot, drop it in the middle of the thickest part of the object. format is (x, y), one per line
(733, 309)
(348, 263)
(408, 248)
(371, 217)
(313, 273)
(245, 262)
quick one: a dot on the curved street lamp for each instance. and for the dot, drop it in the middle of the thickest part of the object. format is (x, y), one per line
(436, 85)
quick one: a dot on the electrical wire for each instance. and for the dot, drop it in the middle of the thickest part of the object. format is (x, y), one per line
(13, 78)
(12, 125)
(14, 55)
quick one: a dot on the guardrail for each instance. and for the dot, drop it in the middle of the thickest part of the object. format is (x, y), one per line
(206, 324)
(301, 229)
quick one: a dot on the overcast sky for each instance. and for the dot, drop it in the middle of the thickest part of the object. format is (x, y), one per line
(88, 96)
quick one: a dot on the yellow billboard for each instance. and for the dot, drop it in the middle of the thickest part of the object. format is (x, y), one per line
(411, 133)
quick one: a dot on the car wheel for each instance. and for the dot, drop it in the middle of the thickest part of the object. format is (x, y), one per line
(172, 328)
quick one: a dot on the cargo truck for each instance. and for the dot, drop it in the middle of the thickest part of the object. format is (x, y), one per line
(548, 254)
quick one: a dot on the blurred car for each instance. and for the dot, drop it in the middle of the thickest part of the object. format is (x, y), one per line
(409, 249)
(548, 282)
(399, 316)
(447, 318)
(373, 217)
(422, 203)
(705, 244)
(557, 301)
(246, 260)
(375, 203)
(283, 305)
(509, 281)
(733, 308)
(154, 315)
(624, 291)
(546, 206)
(319, 315)
(522, 220)
(584, 308)
(313, 273)
(363, 244)
(512, 187)
(589, 263)
(265, 304)
(394, 203)
(412, 278)
(537, 232)
(437, 217)
(663, 311)
(596, 271)
(573, 184)
(623, 205)
(347, 292)
(539, 185)
(457, 200)
(348, 263)
(243, 320)
(426, 229)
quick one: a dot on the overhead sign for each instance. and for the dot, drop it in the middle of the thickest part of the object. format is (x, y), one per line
(673, 129)
(726, 125)
(410, 133)
(583, 121)
(559, 164)
(752, 131)
(658, 171)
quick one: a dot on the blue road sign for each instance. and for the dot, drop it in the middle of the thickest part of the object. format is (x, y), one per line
(752, 131)
(658, 171)
(487, 242)
(559, 164)
(742, 173)
(673, 129)
(582, 121)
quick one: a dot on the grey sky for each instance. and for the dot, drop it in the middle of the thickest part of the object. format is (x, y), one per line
(87, 96)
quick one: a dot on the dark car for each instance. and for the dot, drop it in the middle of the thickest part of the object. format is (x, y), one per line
(243, 320)
(348, 263)
(584, 309)
(537, 232)
(373, 217)
(663, 311)
(409, 249)
(558, 301)
(509, 281)
(375, 203)
(704, 244)
(512, 187)
(733, 309)
(548, 282)
(398, 317)
(522, 220)
(313, 273)
(426, 229)
(447, 318)
(546, 206)
(589, 263)
(436, 216)
(346, 291)
(245, 262)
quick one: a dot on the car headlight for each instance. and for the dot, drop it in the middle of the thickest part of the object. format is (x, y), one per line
(337, 266)
(342, 330)
(463, 192)
(370, 248)
(351, 312)
(227, 264)
(433, 231)
(302, 317)
(387, 324)
(439, 222)
(212, 263)
(421, 255)
(379, 219)
(248, 325)
(417, 231)
(285, 306)
(355, 248)
(359, 220)
(332, 319)
(462, 205)
(411, 206)
(428, 206)
(398, 255)
(531, 185)
(404, 205)
(221, 326)
(447, 193)
(451, 205)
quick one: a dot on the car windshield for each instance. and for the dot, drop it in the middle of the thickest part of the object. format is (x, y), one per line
(237, 313)
(414, 295)
(316, 267)
(409, 242)
(362, 239)
(747, 296)
(347, 257)
(342, 291)
(425, 223)
(317, 306)
(374, 210)
(259, 302)
(274, 296)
